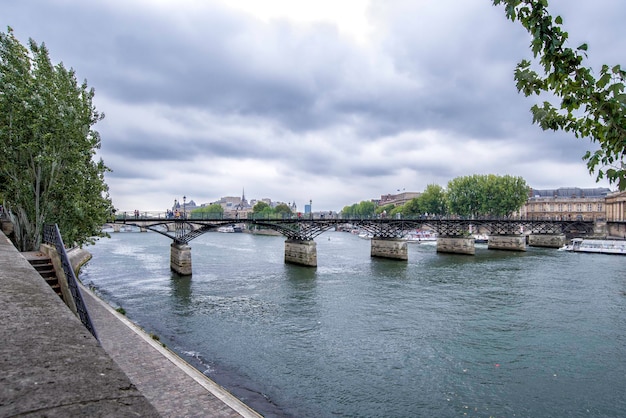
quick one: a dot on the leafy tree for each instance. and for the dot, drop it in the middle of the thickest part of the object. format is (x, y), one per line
(589, 107)
(396, 210)
(486, 195)
(212, 211)
(363, 209)
(366, 208)
(282, 209)
(387, 209)
(349, 211)
(260, 207)
(464, 196)
(48, 173)
(503, 195)
(433, 200)
(412, 208)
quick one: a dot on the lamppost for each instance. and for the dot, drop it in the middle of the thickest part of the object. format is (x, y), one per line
(185, 207)
(311, 207)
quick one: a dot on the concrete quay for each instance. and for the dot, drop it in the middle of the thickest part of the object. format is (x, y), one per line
(51, 366)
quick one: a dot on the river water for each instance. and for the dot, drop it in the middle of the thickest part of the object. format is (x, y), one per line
(499, 334)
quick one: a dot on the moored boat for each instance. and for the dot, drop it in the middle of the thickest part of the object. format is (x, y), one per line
(600, 246)
(365, 235)
(227, 229)
(419, 236)
(480, 239)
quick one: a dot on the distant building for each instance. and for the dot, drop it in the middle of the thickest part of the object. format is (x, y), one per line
(566, 203)
(396, 199)
(183, 206)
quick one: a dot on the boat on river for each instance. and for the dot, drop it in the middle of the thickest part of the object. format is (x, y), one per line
(366, 235)
(419, 236)
(600, 246)
(480, 239)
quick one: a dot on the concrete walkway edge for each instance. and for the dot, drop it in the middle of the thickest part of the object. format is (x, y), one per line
(204, 381)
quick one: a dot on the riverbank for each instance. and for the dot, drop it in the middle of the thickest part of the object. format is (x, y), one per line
(52, 366)
(171, 385)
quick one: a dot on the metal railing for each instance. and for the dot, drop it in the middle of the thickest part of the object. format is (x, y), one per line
(52, 236)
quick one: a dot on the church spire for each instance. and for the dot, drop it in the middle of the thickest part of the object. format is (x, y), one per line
(244, 202)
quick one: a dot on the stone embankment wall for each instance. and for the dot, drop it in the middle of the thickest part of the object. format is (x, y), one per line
(51, 365)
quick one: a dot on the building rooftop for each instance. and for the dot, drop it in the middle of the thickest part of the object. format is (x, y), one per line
(569, 192)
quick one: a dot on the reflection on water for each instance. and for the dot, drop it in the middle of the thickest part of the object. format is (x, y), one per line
(536, 333)
(181, 292)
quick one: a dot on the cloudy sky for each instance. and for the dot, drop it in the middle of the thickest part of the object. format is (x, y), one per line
(325, 100)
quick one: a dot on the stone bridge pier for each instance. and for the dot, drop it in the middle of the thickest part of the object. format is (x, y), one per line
(302, 252)
(393, 248)
(509, 242)
(547, 240)
(180, 258)
(456, 245)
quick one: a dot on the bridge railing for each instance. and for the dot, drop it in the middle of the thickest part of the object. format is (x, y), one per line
(167, 215)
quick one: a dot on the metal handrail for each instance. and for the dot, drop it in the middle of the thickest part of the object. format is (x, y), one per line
(52, 236)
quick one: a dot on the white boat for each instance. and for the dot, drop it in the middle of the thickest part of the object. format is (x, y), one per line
(419, 236)
(600, 246)
(227, 228)
(365, 235)
(481, 239)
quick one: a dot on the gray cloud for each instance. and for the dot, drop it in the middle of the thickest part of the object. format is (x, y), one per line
(218, 100)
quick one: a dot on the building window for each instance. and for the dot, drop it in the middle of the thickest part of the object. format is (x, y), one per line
(589, 207)
(560, 207)
(552, 207)
(600, 207)
(569, 207)
(579, 207)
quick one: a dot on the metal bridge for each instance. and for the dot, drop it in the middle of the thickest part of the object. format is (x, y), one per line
(306, 229)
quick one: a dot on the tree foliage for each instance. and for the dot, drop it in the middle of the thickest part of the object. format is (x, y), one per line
(412, 208)
(486, 195)
(213, 210)
(363, 209)
(263, 210)
(48, 173)
(589, 107)
(282, 208)
(385, 209)
(260, 207)
(433, 200)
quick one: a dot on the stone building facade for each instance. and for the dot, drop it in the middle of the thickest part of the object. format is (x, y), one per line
(396, 199)
(616, 207)
(567, 203)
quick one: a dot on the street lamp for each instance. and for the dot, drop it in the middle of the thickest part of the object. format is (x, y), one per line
(311, 207)
(185, 207)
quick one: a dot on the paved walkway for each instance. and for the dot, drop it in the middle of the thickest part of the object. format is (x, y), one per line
(51, 366)
(175, 388)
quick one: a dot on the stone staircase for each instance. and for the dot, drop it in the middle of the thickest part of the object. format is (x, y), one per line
(44, 267)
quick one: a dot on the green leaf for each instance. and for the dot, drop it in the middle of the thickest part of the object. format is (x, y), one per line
(603, 81)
